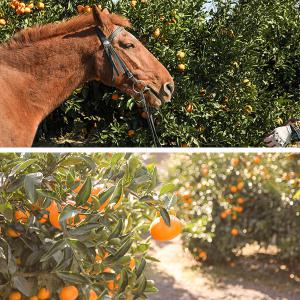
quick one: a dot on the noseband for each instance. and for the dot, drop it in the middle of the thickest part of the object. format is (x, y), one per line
(118, 65)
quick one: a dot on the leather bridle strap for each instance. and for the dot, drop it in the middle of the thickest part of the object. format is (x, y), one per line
(115, 60)
(111, 54)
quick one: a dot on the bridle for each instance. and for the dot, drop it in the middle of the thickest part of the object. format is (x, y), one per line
(115, 60)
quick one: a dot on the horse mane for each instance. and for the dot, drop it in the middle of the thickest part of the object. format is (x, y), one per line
(28, 36)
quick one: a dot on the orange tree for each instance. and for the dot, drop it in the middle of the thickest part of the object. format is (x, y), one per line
(73, 226)
(232, 200)
(236, 69)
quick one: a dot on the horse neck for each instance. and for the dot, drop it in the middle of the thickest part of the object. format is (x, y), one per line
(53, 69)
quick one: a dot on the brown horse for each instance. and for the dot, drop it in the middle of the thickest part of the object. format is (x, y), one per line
(41, 66)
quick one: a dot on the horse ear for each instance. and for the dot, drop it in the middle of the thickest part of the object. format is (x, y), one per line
(105, 11)
(101, 18)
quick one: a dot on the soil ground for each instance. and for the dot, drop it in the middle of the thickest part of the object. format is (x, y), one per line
(180, 277)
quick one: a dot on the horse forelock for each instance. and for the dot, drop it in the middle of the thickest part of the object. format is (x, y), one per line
(28, 36)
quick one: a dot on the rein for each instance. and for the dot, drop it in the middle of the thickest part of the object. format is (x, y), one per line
(115, 61)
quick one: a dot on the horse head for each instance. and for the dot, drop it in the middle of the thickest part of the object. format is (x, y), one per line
(150, 75)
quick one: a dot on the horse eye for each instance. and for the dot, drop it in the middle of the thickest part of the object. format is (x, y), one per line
(129, 45)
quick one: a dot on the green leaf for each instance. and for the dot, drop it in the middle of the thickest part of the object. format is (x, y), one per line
(22, 166)
(106, 194)
(166, 188)
(47, 194)
(118, 192)
(73, 278)
(58, 246)
(30, 182)
(142, 286)
(69, 211)
(133, 164)
(84, 192)
(141, 268)
(25, 286)
(165, 215)
(117, 230)
(115, 158)
(123, 282)
(123, 250)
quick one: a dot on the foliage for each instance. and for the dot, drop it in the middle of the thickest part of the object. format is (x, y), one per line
(240, 77)
(98, 240)
(232, 200)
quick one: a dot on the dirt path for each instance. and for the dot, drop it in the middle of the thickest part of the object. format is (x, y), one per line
(179, 277)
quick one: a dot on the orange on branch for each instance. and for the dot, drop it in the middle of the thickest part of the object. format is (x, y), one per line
(69, 292)
(156, 33)
(189, 108)
(234, 231)
(54, 215)
(43, 293)
(13, 233)
(40, 5)
(15, 295)
(233, 189)
(160, 231)
(181, 67)
(22, 216)
(131, 133)
(93, 295)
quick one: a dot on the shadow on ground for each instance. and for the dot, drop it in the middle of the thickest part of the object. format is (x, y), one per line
(179, 277)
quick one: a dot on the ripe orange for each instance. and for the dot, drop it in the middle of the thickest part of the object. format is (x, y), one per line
(205, 171)
(2, 22)
(223, 215)
(115, 96)
(234, 162)
(233, 189)
(21, 216)
(43, 294)
(93, 295)
(203, 255)
(234, 217)
(27, 10)
(33, 298)
(15, 295)
(133, 3)
(257, 159)
(160, 231)
(156, 33)
(13, 233)
(40, 5)
(181, 67)
(240, 185)
(180, 54)
(43, 219)
(54, 215)
(189, 108)
(234, 232)
(186, 195)
(132, 263)
(131, 133)
(69, 292)
(241, 200)
(238, 209)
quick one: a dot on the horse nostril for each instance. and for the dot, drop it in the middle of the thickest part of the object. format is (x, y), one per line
(169, 88)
